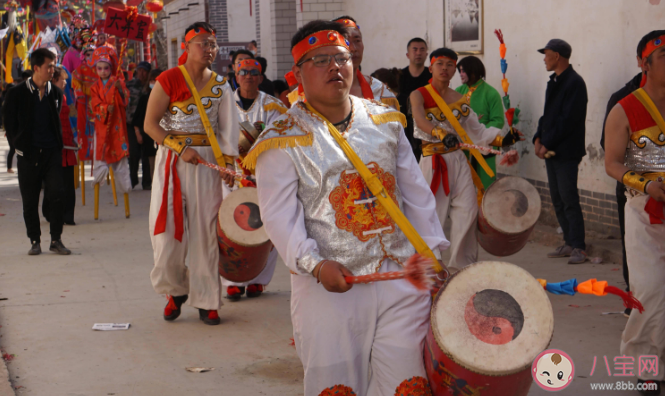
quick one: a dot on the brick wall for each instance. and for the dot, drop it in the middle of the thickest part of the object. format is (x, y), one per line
(283, 25)
(318, 9)
(599, 209)
(257, 15)
(218, 18)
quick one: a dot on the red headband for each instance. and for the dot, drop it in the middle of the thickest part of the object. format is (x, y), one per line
(248, 64)
(436, 58)
(651, 46)
(188, 37)
(347, 23)
(316, 40)
(291, 78)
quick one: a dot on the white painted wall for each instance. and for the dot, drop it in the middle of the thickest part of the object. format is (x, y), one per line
(242, 26)
(176, 25)
(266, 49)
(603, 33)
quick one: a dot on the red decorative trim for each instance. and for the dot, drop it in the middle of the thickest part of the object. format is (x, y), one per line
(416, 386)
(338, 390)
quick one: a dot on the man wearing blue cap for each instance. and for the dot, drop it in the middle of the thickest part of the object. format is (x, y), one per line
(560, 141)
(136, 87)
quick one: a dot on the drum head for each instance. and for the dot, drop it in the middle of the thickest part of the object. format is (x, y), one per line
(240, 218)
(511, 205)
(493, 318)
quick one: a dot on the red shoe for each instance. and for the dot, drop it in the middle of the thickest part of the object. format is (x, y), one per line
(254, 290)
(234, 293)
(209, 317)
(172, 309)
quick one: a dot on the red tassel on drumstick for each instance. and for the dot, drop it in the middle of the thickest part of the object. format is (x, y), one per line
(417, 270)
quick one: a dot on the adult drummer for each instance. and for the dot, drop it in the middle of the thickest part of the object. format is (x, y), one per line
(186, 195)
(310, 197)
(260, 109)
(444, 165)
(364, 86)
(635, 156)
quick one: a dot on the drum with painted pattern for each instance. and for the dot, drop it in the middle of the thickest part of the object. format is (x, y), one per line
(244, 245)
(488, 323)
(507, 215)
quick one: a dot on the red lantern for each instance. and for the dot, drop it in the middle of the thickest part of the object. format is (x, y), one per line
(134, 3)
(154, 6)
(152, 28)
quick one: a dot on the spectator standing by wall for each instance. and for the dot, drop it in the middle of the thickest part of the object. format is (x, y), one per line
(38, 143)
(414, 76)
(485, 101)
(135, 88)
(561, 135)
(148, 150)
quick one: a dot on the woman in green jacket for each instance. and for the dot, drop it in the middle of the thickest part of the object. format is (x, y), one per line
(484, 101)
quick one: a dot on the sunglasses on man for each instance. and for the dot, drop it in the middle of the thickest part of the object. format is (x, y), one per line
(251, 72)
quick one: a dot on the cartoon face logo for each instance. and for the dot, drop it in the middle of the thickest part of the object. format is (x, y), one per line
(553, 370)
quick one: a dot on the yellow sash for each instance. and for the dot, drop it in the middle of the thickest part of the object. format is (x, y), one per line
(648, 104)
(221, 161)
(376, 187)
(443, 106)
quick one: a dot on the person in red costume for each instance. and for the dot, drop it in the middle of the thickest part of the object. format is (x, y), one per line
(68, 156)
(109, 99)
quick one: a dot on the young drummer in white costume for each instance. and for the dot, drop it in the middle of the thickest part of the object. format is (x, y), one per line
(320, 215)
(635, 155)
(443, 164)
(364, 86)
(186, 197)
(259, 109)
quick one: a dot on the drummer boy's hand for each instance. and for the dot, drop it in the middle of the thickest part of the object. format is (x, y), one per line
(332, 276)
(190, 156)
(657, 191)
(228, 179)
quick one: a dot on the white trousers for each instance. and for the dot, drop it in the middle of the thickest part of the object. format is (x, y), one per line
(100, 169)
(201, 199)
(645, 252)
(461, 205)
(370, 338)
(265, 276)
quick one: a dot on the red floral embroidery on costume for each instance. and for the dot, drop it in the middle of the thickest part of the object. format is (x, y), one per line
(416, 386)
(355, 217)
(338, 390)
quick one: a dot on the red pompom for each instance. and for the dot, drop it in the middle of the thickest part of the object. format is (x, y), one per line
(416, 386)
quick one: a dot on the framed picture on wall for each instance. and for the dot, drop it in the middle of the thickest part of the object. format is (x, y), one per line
(463, 21)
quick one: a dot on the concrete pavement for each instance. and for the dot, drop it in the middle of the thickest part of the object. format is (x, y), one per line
(53, 301)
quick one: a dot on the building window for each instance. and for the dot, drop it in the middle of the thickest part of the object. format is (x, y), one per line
(174, 52)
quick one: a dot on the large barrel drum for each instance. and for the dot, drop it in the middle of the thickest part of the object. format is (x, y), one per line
(488, 324)
(507, 215)
(244, 245)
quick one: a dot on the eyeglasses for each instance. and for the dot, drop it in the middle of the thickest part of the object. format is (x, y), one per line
(324, 60)
(206, 45)
(251, 72)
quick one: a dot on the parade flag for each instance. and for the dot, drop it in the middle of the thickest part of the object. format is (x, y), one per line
(127, 24)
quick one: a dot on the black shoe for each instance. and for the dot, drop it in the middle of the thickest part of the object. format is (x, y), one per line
(147, 188)
(209, 317)
(172, 309)
(69, 222)
(651, 392)
(58, 247)
(35, 250)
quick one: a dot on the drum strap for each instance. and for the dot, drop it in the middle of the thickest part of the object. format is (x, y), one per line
(221, 161)
(376, 187)
(443, 106)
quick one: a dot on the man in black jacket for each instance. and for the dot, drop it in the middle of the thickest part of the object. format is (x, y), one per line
(560, 140)
(32, 121)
